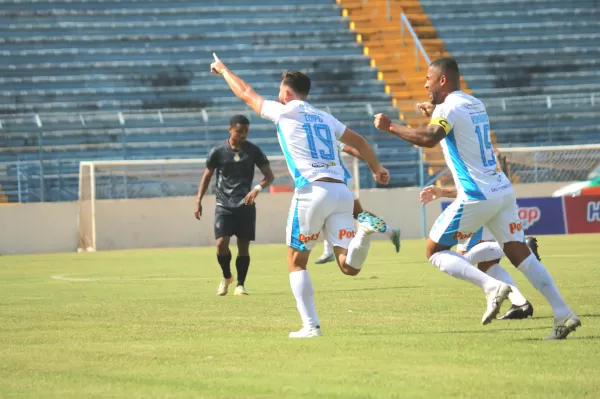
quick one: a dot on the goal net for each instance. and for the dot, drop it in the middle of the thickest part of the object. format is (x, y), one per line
(130, 179)
(530, 164)
(551, 163)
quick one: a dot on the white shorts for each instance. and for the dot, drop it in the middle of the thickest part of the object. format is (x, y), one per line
(463, 218)
(320, 207)
(482, 235)
(350, 184)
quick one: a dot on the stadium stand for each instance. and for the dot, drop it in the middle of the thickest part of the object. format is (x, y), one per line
(534, 63)
(77, 64)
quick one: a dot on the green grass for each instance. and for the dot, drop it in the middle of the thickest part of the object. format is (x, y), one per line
(146, 324)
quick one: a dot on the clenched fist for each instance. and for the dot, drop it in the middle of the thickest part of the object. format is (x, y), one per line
(382, 176)
(425, 109)
(382, 122)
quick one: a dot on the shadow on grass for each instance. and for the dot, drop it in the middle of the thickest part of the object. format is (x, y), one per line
(552, 317)
(569, 338)
(407, 287)
(490, 331)
(351, 290)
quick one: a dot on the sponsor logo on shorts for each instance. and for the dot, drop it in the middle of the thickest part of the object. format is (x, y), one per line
(462, 236)
(343, 233)
(515, 226)
(306, 239)
(529, 216)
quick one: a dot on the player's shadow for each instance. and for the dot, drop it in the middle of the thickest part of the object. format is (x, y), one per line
(569, 338)
(406, 287)
(484, 331)
(353, 289)
(580, 315)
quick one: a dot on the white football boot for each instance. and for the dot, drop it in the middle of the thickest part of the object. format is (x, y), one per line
(494, 302)
(240, 291)
(564, 327)
(224, 286)
(307, 332)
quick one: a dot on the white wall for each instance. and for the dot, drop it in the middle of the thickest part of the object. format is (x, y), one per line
(38, 228)
(170, 222)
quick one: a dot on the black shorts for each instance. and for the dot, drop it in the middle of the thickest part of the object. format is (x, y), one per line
(239, 222)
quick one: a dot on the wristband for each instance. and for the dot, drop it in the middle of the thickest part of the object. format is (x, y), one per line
(258, 187)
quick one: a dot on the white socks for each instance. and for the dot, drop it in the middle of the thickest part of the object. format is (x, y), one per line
(305, 301)
(539, 277)
(457, 266)
(327, 248)
(358, 249)
(484, 252)
(497, 272)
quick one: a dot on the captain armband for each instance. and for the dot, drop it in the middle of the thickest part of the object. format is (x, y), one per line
(443, 123)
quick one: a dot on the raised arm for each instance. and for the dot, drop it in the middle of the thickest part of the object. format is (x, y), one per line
(241, 89)
(204, 182)
(428, 136)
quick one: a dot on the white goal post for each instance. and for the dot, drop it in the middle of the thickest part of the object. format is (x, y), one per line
(129, 179)
(551, 163)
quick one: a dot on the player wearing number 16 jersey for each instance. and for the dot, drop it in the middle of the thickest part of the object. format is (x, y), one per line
(322, 202)
(485, 196)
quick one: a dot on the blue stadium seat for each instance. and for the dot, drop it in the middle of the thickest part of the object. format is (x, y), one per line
(542, 50)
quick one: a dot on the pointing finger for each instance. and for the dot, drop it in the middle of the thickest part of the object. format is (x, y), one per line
(215, 57)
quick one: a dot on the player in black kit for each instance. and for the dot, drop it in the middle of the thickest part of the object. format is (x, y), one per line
(235, 213)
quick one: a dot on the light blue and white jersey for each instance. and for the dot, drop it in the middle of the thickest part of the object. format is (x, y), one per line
(349, 177)
(468, 149)
(309, 141)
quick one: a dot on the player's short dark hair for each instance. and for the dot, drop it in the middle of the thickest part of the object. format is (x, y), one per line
(297, 81)
(238, 120)
(449, 67)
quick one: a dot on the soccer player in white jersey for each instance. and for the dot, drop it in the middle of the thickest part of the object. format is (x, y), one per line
(485, 196)
(322, 202)
(483, 251)
(391, 233)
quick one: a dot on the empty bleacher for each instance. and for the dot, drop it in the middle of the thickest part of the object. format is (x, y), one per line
(76, 64)
(534, 64)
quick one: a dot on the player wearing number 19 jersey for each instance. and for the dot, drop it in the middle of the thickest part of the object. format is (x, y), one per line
(485, 196)
(322, 202)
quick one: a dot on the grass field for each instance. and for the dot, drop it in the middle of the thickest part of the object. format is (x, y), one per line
(146, 324)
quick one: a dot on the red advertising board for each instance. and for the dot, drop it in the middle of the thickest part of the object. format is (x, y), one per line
(583, 214)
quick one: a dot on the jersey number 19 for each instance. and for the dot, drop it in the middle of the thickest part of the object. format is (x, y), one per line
(485, 144)
(323, 133)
